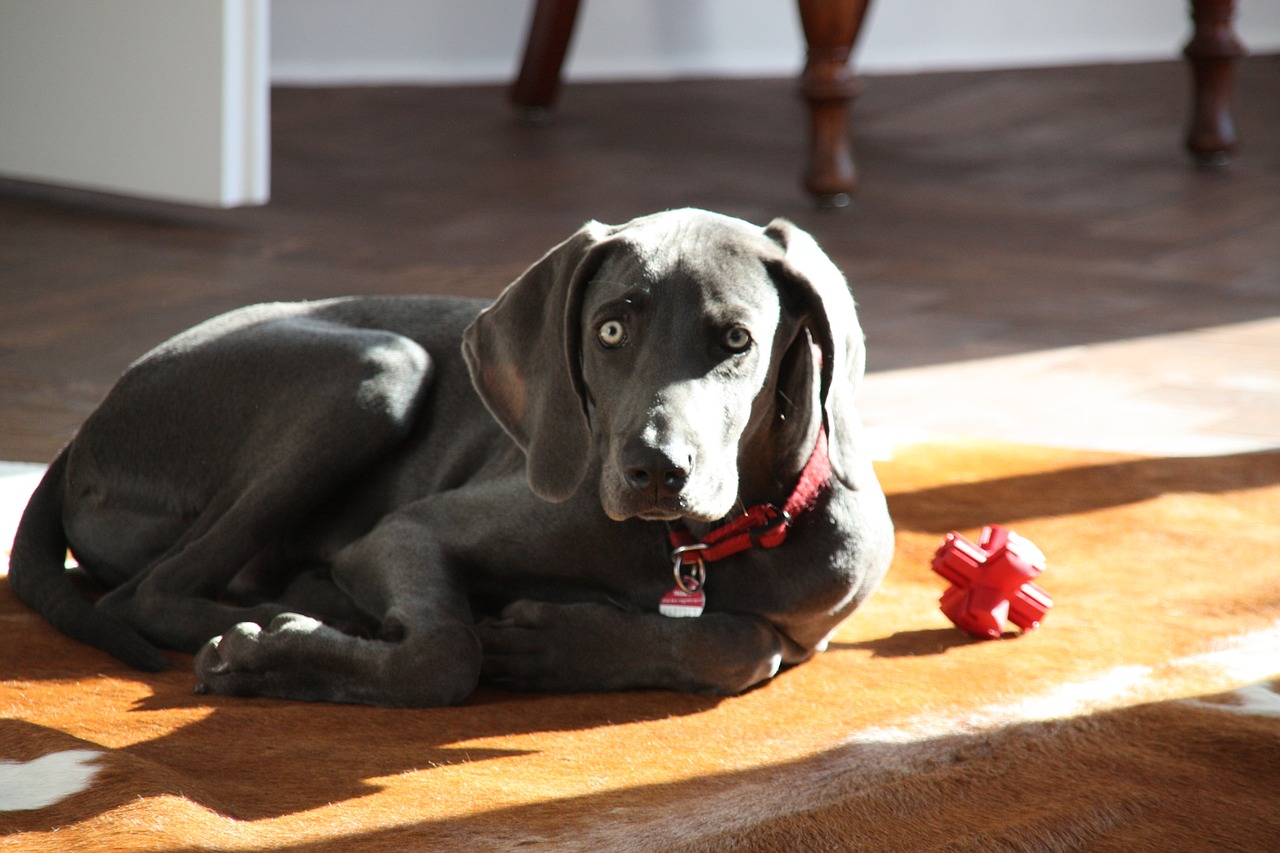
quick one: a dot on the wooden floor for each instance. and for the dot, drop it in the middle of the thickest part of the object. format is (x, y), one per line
(1001, 213)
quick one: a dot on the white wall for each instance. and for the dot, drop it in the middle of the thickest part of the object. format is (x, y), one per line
(144, 97)
(351, 41)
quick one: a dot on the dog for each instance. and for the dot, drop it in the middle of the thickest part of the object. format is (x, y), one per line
(640, 467)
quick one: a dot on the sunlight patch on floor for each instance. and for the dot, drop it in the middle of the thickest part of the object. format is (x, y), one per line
(1197, 393)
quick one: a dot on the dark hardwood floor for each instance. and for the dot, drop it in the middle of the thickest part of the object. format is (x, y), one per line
(1000, 212)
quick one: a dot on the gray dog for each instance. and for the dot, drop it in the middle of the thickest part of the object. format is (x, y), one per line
(639, 467)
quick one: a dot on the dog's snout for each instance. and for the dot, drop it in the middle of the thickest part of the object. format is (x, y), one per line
(655, 474)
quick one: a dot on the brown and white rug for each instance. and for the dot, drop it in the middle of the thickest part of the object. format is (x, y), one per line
(1141, 716)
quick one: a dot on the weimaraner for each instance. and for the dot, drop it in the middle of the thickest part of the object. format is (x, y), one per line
(639, 468)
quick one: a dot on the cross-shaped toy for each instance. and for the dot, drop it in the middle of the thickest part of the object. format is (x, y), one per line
(991, 582)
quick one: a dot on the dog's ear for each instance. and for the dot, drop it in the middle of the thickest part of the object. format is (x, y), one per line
(835, 328)
(523, 355)
(799, 395)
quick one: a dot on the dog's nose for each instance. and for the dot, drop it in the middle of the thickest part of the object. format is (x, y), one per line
(657, 476)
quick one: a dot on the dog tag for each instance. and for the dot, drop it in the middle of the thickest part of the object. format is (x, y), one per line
(679, 603)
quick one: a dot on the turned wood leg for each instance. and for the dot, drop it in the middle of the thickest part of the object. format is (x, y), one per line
(538, 83)
(1212, 52)
(830, 27)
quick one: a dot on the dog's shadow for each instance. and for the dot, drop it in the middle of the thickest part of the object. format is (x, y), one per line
(256, 759)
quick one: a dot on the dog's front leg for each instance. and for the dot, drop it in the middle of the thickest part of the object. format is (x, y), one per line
(588, 646)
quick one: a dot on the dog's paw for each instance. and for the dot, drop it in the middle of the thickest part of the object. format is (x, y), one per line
(241, 661)
(539, 646)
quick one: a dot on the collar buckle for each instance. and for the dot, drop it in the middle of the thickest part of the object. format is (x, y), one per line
(692, 578)
(773, 532)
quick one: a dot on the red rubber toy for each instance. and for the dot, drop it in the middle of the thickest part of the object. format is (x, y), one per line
(991, 582)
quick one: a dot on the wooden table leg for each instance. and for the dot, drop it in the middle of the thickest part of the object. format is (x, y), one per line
(830, 27)
(1212, 52)
(550, 31)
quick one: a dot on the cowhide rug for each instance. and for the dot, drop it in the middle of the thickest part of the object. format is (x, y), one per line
(1141, 716)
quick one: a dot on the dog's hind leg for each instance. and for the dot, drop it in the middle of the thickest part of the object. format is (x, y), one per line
(426, 652)
(177, 603)
(252, 430)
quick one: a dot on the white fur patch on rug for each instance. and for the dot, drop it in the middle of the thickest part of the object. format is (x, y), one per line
(17, 481)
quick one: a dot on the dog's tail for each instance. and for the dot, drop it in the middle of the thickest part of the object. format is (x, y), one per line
(38, 576)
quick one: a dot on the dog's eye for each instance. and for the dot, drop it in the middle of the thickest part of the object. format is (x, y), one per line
(612, 333)
(737, 339)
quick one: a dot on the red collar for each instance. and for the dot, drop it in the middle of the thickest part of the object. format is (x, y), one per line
(760, 526)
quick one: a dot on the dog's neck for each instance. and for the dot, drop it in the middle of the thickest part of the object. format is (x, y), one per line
(758, 526)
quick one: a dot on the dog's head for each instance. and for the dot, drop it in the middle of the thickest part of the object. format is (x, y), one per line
(678, 350)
